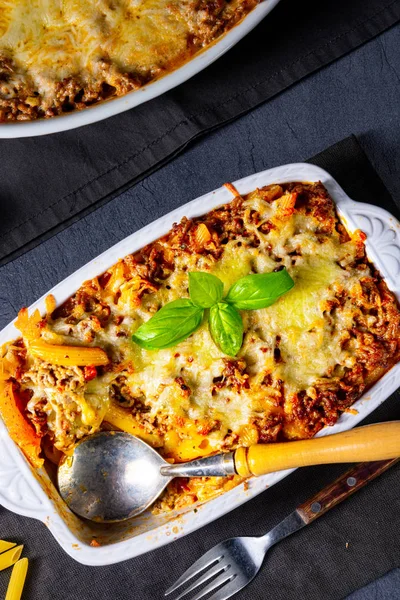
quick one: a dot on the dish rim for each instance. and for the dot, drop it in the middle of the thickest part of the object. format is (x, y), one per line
(115, 106)
(21, 492)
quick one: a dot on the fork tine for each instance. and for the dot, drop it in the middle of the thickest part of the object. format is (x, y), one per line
(223, 578)
(205, 577)
(228, 590)
(210, 557)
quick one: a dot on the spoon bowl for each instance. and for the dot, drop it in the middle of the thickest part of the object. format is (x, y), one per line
(112, 476)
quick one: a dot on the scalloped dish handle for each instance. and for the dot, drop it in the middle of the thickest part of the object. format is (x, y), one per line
(383, 238)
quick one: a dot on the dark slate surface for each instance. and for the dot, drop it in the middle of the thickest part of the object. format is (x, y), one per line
(358, 94)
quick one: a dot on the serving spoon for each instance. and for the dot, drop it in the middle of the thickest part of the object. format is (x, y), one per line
(113, 476)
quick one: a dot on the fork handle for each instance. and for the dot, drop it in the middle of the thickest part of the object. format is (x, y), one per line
(369, 443)
(343, 487)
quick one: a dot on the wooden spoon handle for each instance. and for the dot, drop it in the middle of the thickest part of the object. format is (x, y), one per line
(370, 443)
(348, 483)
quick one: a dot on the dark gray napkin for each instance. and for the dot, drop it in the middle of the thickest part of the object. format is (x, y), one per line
(48, 182)
(353, 544)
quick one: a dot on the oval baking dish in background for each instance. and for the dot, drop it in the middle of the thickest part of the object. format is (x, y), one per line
(114, 106)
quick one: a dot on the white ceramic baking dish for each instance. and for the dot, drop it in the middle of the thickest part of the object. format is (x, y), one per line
(115, 106)
(34, 495)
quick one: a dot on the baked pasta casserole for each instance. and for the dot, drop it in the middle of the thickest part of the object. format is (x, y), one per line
(303, 361)
(57, 56)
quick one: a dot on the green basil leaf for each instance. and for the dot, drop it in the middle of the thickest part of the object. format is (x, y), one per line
(205, 289)
(259, 290)
(172, 324)
(226, 328)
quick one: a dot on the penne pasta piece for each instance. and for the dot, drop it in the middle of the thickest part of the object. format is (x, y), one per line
(120, 418)
(18, 427)
(17, 580)
(8, 366)
(117, 277)
(248, 435)
(286, 205)
(69, 356)
(270, 192)
(4, 374)
(231, 188)
(190, 449)
(203, 236)
(29, 326)
(6, 545)
(194, 447)
(9, 558)
(50, 303)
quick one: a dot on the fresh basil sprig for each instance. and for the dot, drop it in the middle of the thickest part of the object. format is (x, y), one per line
(226, 328)
(205, 289)
(177, 320)
(172, 324)
(259, 290)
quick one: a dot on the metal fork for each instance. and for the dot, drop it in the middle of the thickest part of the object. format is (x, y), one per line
(232, 564)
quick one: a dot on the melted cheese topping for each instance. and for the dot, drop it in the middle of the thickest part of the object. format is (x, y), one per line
(310, 341)
(310, 338)
(56, 38)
